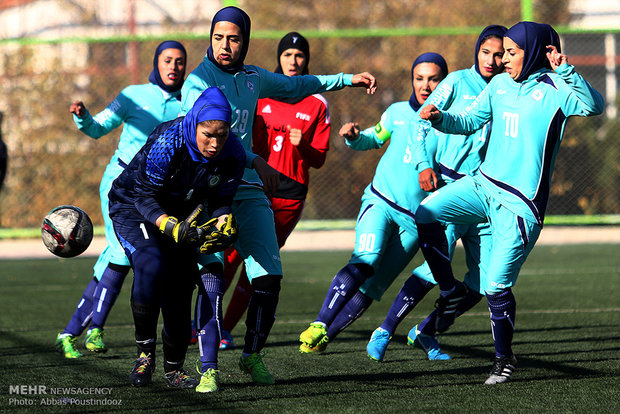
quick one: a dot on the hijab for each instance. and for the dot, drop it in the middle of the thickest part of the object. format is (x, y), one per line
(430, 57)
(533, 38)
(293, 40)
(242, 20)
(492, 30)
(210, 105)
(155, 76)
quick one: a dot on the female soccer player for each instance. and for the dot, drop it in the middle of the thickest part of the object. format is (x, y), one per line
(451, 157)
(141, 108)
(243, 85)
(386, 238)
(185, 162)
(527, 108)
(292, 135)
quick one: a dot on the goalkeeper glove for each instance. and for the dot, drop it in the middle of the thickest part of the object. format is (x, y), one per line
(183, 232)
(218, 239)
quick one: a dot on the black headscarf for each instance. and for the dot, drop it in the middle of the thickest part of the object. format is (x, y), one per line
(492, 30)
(293, 40)
(429, 57)
(155, 76)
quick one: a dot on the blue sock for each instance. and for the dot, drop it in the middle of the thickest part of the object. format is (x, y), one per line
(349, 314)
(503, 307)
(107, 291)
(84, 311)
(346, 282)
(412, 292)
(209, 307)
(472, 298)
(434, 246)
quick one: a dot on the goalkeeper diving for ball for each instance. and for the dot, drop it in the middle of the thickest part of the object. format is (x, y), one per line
(153, 205)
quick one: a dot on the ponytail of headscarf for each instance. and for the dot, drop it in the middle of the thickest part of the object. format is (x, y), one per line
(429, 57)
(155, 76)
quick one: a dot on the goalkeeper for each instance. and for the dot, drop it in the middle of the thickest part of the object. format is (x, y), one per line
(185, 162)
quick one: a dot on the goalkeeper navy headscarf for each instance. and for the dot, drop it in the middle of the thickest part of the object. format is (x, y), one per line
(155, 76)
(429, 57)
(210, 105)
(242, 20)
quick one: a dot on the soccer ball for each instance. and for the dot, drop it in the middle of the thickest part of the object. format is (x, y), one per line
(67, 231)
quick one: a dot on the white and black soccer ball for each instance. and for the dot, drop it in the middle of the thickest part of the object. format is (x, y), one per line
(67, 231)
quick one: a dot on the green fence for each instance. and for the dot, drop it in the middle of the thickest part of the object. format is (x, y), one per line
(51, 163)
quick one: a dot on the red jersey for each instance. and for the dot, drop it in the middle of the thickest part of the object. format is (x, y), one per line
(270, 140)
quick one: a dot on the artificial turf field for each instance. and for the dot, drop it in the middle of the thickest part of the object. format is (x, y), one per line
(567, 343)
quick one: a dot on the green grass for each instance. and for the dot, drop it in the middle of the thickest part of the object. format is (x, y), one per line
(567, 343)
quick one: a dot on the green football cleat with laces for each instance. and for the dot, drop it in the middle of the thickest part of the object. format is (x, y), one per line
(209, 381)
(66, 344)
(255, 366)
(315, 334)
(94, 340)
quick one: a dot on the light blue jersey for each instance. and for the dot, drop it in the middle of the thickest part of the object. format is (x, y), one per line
(243, 89)
(521, 154)
(395, 180)
(386, 237)
(141, 108)
(455, 155)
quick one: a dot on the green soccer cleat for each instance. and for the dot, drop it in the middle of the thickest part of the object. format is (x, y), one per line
(428, 343)
(66, 344)
(317, 349)
(209, 381)
(94, 341)
(254, 366)
(315, 334)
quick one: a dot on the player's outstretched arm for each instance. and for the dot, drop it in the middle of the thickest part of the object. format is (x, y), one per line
(365, 80)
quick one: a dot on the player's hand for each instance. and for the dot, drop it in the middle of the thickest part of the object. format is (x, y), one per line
(365, 80)
(294, 135)
(350, 131)
(78, 108)
(185, 231)
(268, 175)
(218, 234)
(181, 232)
(428, 180)
(430, 113)
(555, 58)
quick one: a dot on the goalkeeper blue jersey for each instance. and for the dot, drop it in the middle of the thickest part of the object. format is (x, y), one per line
(395, 180)
(527, 122)
(141, 108)
(243, 89)
(454, 155)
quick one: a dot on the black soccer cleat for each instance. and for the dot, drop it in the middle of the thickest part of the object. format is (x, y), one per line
(142, 371)
(446, 307)
(501, 371)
